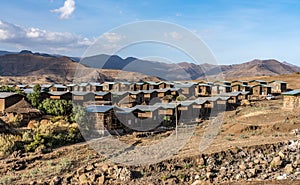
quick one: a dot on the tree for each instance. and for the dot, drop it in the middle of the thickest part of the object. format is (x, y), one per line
(180, 98)
(56, 107)
(35, 97)
(78, 114)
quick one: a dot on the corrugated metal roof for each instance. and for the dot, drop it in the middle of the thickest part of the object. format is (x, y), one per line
(147, 108)
(292, 93)
(6, 94)
(167, 105)
(58, 93)
(101, 93)
(98, 108)
(80, 93)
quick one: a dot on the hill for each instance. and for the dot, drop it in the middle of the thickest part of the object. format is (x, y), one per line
(56, 69)
(191, 71)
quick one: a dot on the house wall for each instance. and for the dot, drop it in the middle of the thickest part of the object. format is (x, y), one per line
(2, 105)
(9, 101)
(291, 102)
(256, 90)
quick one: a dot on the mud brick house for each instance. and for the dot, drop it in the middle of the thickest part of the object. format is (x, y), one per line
(277, 87)
(108, 86)
(163, 92)
(58, 95)
(216, 104)
(202, 105)
(8, 99)
(149, 95)
(121, 86)
(136, 97)
(46, 87)
(241, 82)
(94, 87)
(71, 87)
(103, 118)
(125, 86)
(153, 85)
(175, 91)
(189, 111)
(102, 98)
(291, 100)
(168, 111)
(149, 117)
(240, 87)
(169, 85)
(260, 89)
(128, 117)
(24, 110)
(222, 83)
(187, 89)
(58, 87)
(257, 82)
(81, 98)
(141, 86)
(203, 89)
(116, 97)
(218, 89)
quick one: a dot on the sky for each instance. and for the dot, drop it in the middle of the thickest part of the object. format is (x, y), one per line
(235, 31)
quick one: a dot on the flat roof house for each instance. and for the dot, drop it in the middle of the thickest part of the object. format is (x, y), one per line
(103, 118)
(277, 86)
(203, 89)
(8, 99)
(58, 87)
(59, 95)
(260, 89)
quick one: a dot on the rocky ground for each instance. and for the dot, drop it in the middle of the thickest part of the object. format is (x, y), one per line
(257, 144)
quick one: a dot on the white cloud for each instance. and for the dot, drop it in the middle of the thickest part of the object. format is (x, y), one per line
(66, 10)
(112, 37)
(38, 39)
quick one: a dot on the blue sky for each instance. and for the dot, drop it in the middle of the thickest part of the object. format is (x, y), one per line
(235, 31)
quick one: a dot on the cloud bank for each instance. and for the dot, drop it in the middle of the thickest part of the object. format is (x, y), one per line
(38, 39)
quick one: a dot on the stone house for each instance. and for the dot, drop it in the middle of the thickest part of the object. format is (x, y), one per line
(8, 99)
(291, 100)
(277, 87)
(260, 89)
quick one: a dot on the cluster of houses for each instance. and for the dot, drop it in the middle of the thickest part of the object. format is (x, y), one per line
(146, 105)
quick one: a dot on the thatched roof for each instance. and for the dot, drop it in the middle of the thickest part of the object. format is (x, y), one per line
(22, 107)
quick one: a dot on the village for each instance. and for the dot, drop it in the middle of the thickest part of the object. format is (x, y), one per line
(120, 107)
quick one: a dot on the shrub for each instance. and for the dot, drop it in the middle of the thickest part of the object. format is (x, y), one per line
(7, 143)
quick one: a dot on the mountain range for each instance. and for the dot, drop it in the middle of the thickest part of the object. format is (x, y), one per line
(62, 69)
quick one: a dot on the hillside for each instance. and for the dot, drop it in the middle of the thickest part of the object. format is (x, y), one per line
(191, 71)
(47, 68)
(55, 68)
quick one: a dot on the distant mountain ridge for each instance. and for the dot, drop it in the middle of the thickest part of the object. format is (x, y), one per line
(28, 63)
(185, 70)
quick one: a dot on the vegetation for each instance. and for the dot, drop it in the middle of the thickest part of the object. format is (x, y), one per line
(6, 88)
(56, 107)
(35, 97)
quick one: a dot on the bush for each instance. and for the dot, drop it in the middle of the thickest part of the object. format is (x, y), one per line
(52, 136)
(7, 143)
(56, 107)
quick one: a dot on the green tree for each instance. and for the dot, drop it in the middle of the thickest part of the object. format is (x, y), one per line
(35, 97)
(78, 114)
(56, 107)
